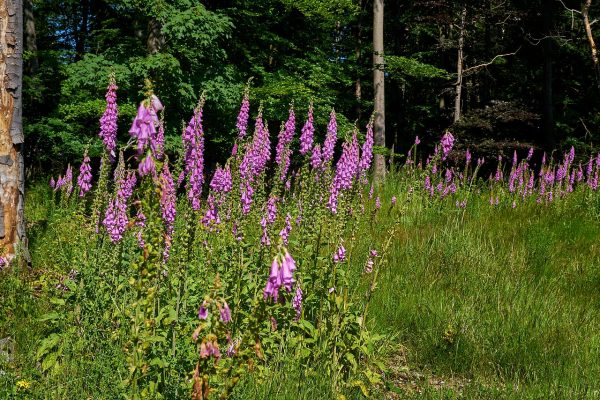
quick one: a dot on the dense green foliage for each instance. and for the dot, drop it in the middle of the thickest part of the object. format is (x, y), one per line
(311, 50)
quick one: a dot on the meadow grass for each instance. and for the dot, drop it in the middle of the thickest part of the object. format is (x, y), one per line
(482, 302)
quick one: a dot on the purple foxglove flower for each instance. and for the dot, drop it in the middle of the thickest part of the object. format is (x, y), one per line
(369, 265)
(370, 261)
(468, 157)
(447, 144)
(330, 139)
(285, 163)
(147, 166)
(203, 311)
(377, 203)
(108, 122)
(158, 144)
(52, 183)
(115, 219)
(126, 184)
(144, 125)
(272, 209)
(287, 229)
(340, 254)
(274, 282)
(316, 159)
(84, 180)
(257, 153)
(288, 266)
(264, 239)
(225, 313)
(417, 141)
(212, 216)
(571, 155)
(371, 192)
(140, 221)
(168, 198)
(308, 131)
(367, 149)
(427, 183)
(394, 200)
(286, 135)
(68, 180)
(346, 170)
(246, 198)
(448, 175)
(193, 140)
(529, 154)
(297, 302)
(222, 181)
(242, 119)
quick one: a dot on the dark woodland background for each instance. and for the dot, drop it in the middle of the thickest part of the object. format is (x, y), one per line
(528, 76)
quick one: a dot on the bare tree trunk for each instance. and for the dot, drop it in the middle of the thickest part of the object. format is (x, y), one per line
(30, 36)
(459, 65)
(358, 54)
(12, 184)
(155, 37)
(82, 30)
(378, 88)
(585, 13)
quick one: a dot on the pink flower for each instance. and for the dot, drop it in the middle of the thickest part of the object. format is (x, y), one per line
(242, 119)
(330, 139)
(84, 181)
(108, 122)
(225, 313)
(308, 131)
(447, 144)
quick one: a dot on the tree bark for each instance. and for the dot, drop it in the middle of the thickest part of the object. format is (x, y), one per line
(459, 65)
(30, 37)
(155, 40)
(12, 183)
(379, 88)
(358, 54)
(585, 14)
(82, 30)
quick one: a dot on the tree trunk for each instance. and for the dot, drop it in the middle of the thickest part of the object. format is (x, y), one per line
(155, 38)
(30, 37)
(358, 54)
(12, 184)
(585, 13)
(547, 106)
(459, 65)
(82, 30)
(378, 88)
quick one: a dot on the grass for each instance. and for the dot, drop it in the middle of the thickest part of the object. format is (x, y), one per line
(486, 302)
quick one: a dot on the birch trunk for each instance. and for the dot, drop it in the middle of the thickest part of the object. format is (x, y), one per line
(585, 13)
(459, 66)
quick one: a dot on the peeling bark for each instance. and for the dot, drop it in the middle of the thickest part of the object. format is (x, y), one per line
(12, 184)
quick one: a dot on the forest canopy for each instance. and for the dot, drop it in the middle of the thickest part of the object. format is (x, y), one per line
(528, 73)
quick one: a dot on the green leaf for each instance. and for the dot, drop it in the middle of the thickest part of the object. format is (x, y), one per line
(49, 317)
(47, 344)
